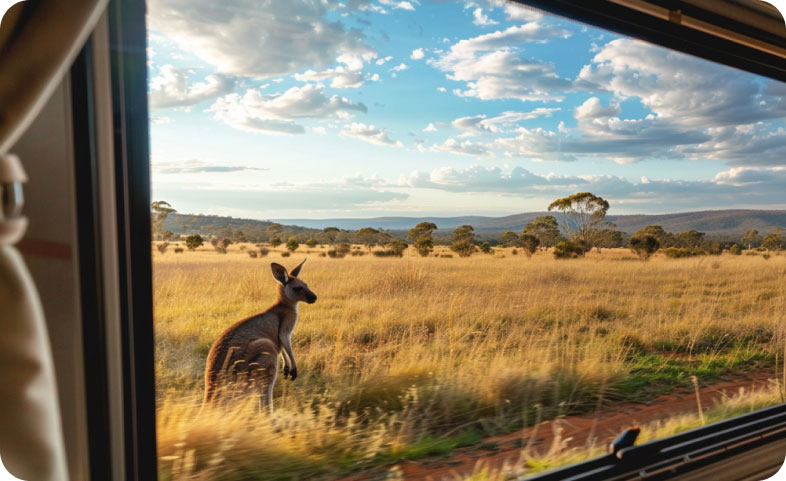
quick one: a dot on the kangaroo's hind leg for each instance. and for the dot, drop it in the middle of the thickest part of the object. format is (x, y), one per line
(267, 361)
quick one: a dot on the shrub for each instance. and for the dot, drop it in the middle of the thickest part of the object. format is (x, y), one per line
(263, 251)
(386, 253)
(275, 241)
(178, 250)
(713, 248)
(311, 242)
(530, 244)
(193, 241)
(735, 250)
(449, 256)
(292, 244)
(221, 250)
(463, 244)
(162, 247)
(644, 245)
(485, 247)
(285, 254)
(340, 251)
(424, 245)
(252, 254)
(242, 247)
(514, 252)
(357, 253)
(568, 250)
(678, 252)
(464, 248)
(394, 249)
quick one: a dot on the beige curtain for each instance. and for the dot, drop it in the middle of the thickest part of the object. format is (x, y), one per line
(38, 42)
(31, 438)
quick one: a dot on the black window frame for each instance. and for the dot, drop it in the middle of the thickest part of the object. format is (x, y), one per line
(128, 42)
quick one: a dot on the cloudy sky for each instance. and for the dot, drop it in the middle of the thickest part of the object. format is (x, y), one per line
(359, 108)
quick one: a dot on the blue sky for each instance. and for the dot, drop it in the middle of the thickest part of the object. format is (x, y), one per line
(362, 108)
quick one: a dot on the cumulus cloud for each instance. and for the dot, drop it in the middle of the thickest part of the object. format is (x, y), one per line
(276, 113)
(369, 133)
(479, 18)
(686, 90)
(399, 5)
(171, 88)
(383, 60)
(737, 186)
(466, 147)
(254, 39)
(484, 124)
(488, 179)
(417, 54)
(492, 67)
(400, 67)
(350, 75)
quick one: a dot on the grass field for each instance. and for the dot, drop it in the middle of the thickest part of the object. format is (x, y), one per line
(401, 358)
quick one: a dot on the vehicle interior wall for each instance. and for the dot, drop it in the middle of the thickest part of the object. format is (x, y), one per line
(50, 251)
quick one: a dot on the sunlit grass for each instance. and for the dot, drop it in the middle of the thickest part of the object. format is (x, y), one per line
(408, 357)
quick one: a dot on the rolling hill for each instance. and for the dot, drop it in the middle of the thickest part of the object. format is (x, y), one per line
(728, 224)
(716, 223)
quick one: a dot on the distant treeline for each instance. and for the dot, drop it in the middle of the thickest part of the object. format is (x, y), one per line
(578, 226)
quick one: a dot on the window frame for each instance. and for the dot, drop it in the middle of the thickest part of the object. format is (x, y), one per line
(128, 40)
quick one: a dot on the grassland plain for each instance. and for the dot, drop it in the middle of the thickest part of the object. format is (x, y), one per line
(402, 358)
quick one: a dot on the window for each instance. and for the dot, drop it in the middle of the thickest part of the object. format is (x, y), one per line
(531, 338)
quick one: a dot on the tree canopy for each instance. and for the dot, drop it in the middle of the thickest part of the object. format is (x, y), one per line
(580, 213)
(546, 229)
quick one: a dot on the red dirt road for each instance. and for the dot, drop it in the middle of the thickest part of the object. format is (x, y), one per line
(574, 431)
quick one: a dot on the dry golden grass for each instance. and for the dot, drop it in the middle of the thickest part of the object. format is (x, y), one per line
(403, 357)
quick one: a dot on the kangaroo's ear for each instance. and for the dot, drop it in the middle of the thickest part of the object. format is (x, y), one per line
(296, 271)
(279, 273)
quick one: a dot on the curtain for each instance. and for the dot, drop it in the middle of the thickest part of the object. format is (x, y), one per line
(31, 438)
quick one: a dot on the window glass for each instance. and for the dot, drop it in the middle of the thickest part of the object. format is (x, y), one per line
(524, 235)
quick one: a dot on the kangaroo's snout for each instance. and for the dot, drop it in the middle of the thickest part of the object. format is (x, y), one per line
(312, 298)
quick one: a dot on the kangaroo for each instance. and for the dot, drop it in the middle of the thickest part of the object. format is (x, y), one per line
(249, 349)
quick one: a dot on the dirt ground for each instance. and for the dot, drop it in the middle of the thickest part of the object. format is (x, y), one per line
(569, 431)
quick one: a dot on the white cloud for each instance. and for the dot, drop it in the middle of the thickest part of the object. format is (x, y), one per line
(369, 133)
(488, 179)
(521, 13)
(691, 92)
(430, 128)
(255, 39)
(400, 67)
(492, 67)
(275, 114)
(417, 54)
(382, 60)
(479, 18)
(482, 124)
(348, 76)
(399, 5)
(442, 89)
(161, 120)
(198, 167)
(466, 147)
(170, 88)
(737, 186)
(319, 130)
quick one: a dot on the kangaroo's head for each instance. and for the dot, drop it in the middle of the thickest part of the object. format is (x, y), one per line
(290, 288)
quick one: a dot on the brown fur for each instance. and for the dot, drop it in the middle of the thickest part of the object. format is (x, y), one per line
(244, 359)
